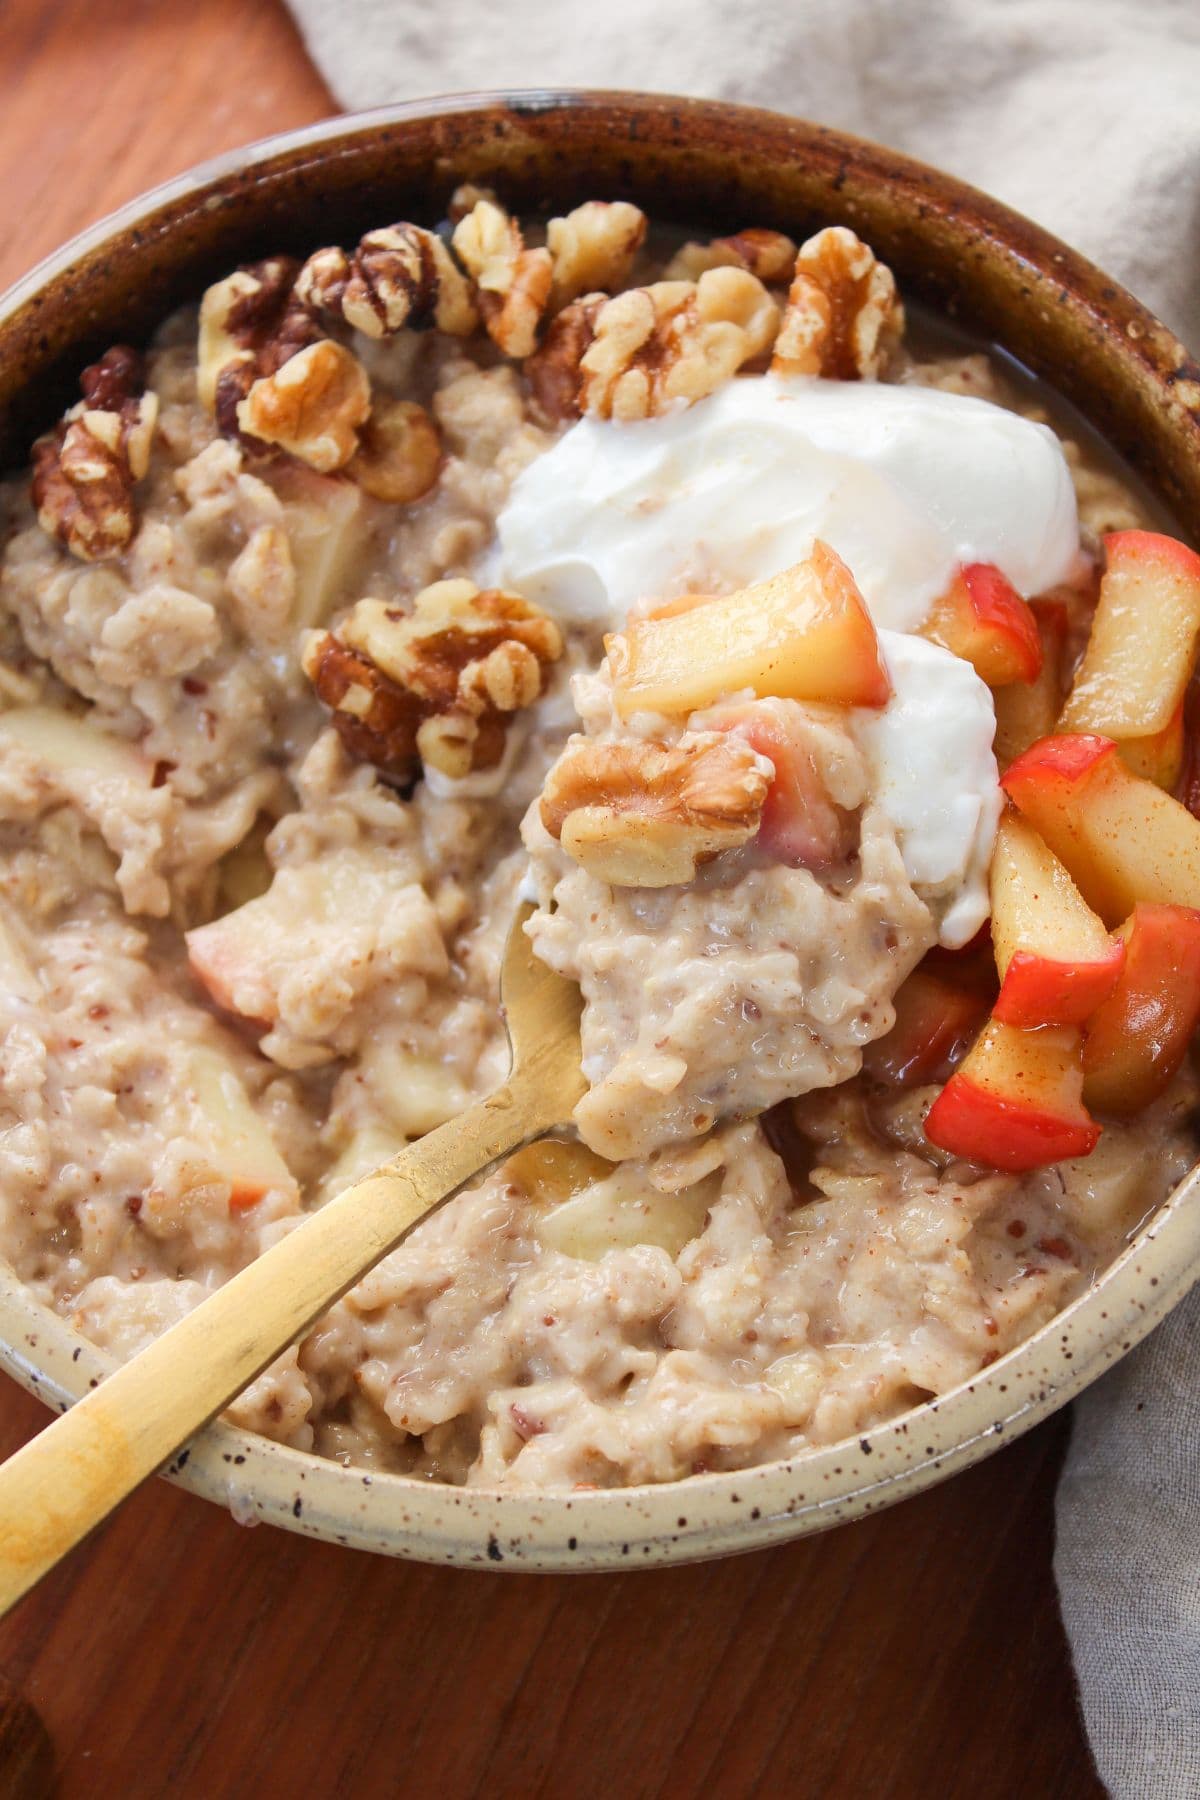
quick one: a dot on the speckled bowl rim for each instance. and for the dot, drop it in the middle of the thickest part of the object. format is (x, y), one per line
(705, 1515)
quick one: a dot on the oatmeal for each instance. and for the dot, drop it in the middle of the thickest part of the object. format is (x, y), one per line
(661, 582)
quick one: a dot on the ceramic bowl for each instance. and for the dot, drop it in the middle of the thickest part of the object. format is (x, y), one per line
(716, 167)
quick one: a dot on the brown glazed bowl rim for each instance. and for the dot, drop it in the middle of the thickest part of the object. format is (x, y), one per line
(966, 254)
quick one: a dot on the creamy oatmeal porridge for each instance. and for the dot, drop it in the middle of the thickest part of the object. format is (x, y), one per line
(673, 589)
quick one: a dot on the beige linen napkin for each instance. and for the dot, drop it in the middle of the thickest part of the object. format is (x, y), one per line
(1085, 114)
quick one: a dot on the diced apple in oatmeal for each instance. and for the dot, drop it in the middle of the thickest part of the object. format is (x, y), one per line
(232, 1132)
(1137, 1039)
(1142, 642)
(936, 1020)
(1159, 755)
(328, 521)
(622, 1209)
(1122, 839)
(1028, 710)
(804, 635)
(1016, 1102)
(982, 618)
(1055, 960)
(73, 747)
(302, 960)
(800, 824)
(111, 783)
(584, 1206)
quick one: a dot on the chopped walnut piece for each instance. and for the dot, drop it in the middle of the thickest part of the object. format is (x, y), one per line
(593, 247)
(843, 315)
(440, 683)
(400, 277)
(639, 814)
(674, 341)
(513, 283)
(250, 325)
(399, 454)
(312, 407)
(85, 470)
(768, 254)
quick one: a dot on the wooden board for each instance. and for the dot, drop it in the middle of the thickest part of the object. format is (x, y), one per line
(917, 1652)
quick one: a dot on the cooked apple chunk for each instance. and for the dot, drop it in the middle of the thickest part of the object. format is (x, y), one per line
(299, 958)
(619, 1209)
(328, 521)
(935, 1021)
(1157, 757)
(1143, 638)
(1138, 1038)
(1121, 838)
(801, 826)
(74, 747)
(804, 635)
(229, 1127)
(982, 618)
(1016, 1102)
(1055, 960)
(1028, 710)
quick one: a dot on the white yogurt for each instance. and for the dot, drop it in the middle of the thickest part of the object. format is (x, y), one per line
(930, 751)
(904, 482)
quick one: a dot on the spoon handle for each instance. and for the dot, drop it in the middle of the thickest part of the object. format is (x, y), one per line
(69, 1477)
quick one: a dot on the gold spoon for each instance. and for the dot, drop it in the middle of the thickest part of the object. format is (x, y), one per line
(69, 1477)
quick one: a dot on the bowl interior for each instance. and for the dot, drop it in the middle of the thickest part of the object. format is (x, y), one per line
(715, 167)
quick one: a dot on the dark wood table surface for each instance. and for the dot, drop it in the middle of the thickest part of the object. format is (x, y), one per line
(919, 1652)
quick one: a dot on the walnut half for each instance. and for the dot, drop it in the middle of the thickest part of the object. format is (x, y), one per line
(640, 814)
(85, 470)
(843, 316)
(593, 248)
(768, 254)
(439, 684)
(250, 325)
(399, 277)
(312, 406)
(513, 283)
(643, 352)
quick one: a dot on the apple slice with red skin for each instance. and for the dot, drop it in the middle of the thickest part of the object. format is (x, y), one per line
(982, 618)
(1137, 1039)
(1142, 642)
(1121, 839)
(935, 1021)
(1028, 710)
(1055, 959)
(1016, 1103)
(804, 635)
(800, 826)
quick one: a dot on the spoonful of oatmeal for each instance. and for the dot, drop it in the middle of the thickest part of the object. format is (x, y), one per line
(64, 1482)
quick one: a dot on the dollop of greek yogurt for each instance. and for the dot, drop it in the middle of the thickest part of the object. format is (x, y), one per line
(904, 482)
(935, 775)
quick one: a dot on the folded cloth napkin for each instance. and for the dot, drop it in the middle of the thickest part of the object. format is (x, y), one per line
(1084, 114)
